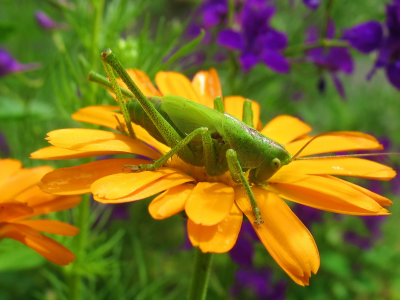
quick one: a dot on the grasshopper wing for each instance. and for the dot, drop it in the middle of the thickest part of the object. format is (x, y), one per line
(188, 115)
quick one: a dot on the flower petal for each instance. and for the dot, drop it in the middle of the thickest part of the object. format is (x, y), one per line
(170, 202)
(230, 39)
(378, 198)
(338, 141)
(48, 248)
(209, 203)
(34, 196)
(8, 168)
(51, 226)
(234, 106)
(55, 153)
(22, 180)
(275, 61)
(365, 37)
(77, 180)
(143, 82)
(176, 84)
(105, 115)
(284, 129)
(323, 193)
(122, 184)
(11, 210)
(98, 140)
(284, 236)
(219, 238)
(207, 86)
(353, 167)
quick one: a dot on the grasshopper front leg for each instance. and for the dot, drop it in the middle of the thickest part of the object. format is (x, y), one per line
(239, 177)
(160, 162)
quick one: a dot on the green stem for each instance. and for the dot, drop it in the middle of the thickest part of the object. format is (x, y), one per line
(231, 12)
(82, 222)
(292, 50)
(200, 275)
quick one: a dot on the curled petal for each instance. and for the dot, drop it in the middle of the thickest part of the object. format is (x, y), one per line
(48, 248)
(234, 106)
(51, 226)
(77, 180)
(323, 193)
(338, 141)
(353, 167)
(207, 86)
(160, 185)
(171, 83)
(284, 236)
(170, 202)
(98, 140)
(219, 238)
(285, 129)
(106, 115)
(209, 203)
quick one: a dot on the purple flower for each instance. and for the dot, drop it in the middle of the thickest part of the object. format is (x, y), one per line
(9, 65)
(389, 51)
(259, 283)
(242, 252)
(308, 215)
(373, 225)
(334, 60)
(365, 37)
(313, 4)
(4, 148)
(257, 41)
(45, 21)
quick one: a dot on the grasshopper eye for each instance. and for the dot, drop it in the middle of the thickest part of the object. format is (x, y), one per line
(275, 164)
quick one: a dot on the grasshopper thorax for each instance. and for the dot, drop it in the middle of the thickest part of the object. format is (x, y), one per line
(276, 158)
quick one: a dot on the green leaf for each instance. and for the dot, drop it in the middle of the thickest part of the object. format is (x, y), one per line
(5, 31)
(185, 50)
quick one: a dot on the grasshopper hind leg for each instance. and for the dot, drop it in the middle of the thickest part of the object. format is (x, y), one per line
(239, 177)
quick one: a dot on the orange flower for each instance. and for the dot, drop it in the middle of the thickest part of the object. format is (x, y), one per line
(215, 205)
(21, 199)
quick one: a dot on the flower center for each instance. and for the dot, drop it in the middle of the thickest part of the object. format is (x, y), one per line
(199, 173)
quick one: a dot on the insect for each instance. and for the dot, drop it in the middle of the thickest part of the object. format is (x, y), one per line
(207, 137)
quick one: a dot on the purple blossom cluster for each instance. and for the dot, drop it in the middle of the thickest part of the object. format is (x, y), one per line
(9, 65)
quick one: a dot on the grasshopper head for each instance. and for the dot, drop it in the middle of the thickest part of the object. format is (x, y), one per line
(277, 157)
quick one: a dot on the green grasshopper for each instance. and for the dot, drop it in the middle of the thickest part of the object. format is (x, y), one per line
(204, 137)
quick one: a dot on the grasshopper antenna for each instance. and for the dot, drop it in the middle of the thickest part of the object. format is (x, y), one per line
(344, 134)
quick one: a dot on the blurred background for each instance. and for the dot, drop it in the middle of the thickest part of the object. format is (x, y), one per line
(47, 49)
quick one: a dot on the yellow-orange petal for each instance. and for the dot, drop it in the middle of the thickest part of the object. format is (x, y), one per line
(99, 140)
(219, 238)
(11, 210)
(151, 189)
(323, 193)
(284, 129)
(23, 179)
(58, 204)
(171, 202)
(353, 167)
(48, 248)
(176, 84)
(348, 141)
(122, 184)
(284, 236)
(207, 86)
(56, 153)
(143, 82)
(234, 106)
(51, 226)
(77, 180)
(378, 198)
(34, 196)
(209, 203)
(8, 168)
(106, 116)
